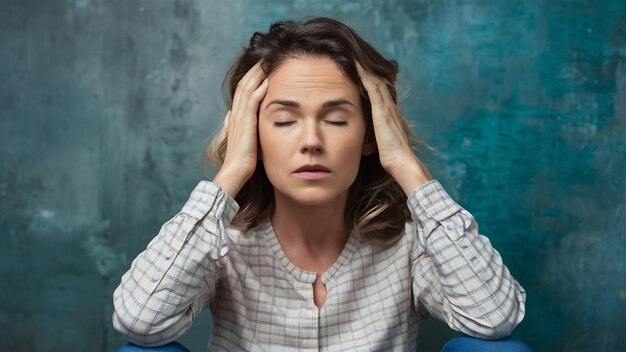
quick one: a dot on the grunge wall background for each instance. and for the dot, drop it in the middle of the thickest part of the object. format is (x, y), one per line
(105, 107)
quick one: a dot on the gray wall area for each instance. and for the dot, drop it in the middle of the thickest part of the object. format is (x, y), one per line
(105, 107)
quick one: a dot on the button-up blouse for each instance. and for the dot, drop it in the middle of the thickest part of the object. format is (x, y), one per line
(260, 301)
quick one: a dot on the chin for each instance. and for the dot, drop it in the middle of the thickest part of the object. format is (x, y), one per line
(313, 196)
(312, 201)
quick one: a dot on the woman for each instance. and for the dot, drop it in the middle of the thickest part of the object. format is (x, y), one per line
(321, 228)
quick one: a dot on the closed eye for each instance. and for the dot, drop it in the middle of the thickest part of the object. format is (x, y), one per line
(283, 124)
(289, 123)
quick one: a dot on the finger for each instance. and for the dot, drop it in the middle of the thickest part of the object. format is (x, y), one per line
(367, 77)
(392, 109)
(246, 121)
(228, 129)
(383, 90)
(389, 106)
(378, 91)
(376, 98)
(381, 87)
(391, 112)
(370, 86)
(251, 72)
(253, 103)
(247, 84)
(226, 119)
(241, 82)
(382, 101)
(249, 98)
(251, 79)
(239, 91)
(397, 120)
(375, 87)
(362, 73)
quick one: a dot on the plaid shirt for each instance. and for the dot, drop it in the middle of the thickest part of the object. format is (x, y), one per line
(260, 301)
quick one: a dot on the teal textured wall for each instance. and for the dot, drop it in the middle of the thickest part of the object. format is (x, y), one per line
(106, 105)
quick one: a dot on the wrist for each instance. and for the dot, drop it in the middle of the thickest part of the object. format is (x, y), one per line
(411, 176)
(229, 184)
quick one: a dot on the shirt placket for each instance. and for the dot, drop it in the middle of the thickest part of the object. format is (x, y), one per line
(309, 317)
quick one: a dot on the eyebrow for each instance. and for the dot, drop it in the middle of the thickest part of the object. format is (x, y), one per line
(295, 104)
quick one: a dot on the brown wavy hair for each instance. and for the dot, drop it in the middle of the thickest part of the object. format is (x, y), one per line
(376, 205)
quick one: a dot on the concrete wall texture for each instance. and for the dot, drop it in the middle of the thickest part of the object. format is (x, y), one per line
(105, 107)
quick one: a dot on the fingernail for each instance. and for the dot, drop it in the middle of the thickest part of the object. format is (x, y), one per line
(265, 81)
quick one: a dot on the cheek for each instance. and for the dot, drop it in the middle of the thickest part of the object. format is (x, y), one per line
(272, 144)
(265, 140)
(348, 150)
(352, 141)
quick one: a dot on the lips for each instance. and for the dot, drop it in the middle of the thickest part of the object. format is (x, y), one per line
(315, 167)
(312, 173)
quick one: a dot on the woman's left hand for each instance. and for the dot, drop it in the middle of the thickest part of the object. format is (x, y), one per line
(396, 155)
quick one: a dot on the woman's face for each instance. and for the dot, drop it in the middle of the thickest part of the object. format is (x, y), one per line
(311, 114)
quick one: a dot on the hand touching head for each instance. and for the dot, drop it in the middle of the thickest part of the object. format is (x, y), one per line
(326, 40)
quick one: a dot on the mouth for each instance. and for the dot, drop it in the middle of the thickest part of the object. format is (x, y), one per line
(312, 172)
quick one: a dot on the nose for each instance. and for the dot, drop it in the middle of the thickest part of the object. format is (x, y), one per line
(311, 139)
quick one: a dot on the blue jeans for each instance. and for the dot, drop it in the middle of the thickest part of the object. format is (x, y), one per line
(467, 343)
(457, 344)
(170, 347)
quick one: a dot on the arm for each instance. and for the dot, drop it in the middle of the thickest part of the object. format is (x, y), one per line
(173, 279)
(456, 274)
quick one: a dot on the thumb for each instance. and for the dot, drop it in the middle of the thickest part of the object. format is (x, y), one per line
(226, 119)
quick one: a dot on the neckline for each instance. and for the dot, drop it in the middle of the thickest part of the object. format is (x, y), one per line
(304, 275)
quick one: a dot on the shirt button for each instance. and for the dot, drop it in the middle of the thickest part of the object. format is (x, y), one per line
(467, 223)
(155, 278)
(169, 254)
(449, 227)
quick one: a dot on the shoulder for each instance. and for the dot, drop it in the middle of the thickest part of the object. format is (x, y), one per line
(248, 242)
(406, 242)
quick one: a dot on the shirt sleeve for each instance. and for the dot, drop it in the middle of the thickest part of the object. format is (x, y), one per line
(173, 279)
(456, 274)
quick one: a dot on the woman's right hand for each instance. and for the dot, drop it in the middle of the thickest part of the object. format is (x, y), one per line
(241, 130)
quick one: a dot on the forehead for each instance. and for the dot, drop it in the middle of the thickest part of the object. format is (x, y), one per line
(310, 79)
